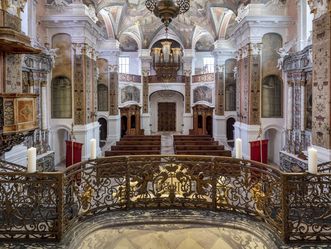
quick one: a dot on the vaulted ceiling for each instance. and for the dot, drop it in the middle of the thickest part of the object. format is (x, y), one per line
(135, 27)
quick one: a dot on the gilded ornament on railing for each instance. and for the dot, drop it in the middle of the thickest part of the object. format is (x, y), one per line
(258, 196)
(86, 197)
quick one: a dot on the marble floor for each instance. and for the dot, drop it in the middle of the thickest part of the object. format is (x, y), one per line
(166, 229)
(173, 237)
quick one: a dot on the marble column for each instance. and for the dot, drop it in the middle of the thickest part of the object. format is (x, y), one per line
(109, 52)
(146, 61)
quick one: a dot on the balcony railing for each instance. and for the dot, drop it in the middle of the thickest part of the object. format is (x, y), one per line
(46, 205)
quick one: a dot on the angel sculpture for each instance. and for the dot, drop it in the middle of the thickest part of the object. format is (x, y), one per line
(235, 72)
(51, 52)
(60, 4)
(12, 8)
(91, 11)
(283, 52)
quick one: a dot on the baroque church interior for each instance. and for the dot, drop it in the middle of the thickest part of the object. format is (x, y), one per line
(188, 115)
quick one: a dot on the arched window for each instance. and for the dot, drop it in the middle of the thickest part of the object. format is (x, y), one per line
(271, 97)
(61, 98)
(102, 97)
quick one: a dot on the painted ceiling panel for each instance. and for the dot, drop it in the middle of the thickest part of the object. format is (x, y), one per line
(212, 16)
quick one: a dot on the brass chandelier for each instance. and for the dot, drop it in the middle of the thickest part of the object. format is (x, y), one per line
(167, 10)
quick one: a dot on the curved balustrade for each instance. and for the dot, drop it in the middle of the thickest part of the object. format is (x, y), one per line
(46, 205)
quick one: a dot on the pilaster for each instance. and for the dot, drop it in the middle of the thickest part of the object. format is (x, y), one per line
(321, 130)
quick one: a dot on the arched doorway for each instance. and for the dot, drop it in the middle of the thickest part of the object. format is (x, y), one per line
(124, 125)
(209, 125)
(230, 131)
(102, 131)
(274, 145)
(60, 146)
(167, 111)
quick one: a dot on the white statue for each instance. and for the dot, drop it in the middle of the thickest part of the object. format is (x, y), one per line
(60, 4)
(241, 13)
(235, 72)
(283, 52)
(310, 56)
(12, 7)
(318, 7)
(51, 52)
(278, 2)
(91, 12)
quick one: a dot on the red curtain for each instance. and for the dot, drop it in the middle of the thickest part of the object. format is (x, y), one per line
(256, 150)
(73, 152)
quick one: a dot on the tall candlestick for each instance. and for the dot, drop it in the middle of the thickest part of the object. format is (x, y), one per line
(312, 160)
(93, 148)
(302, 100)
(32, 160)
(239, 154)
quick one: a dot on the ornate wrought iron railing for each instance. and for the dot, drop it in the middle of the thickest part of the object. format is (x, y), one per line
(46, 205)
(10, 167)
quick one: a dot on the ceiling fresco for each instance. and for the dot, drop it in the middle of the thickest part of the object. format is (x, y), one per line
(205, 22)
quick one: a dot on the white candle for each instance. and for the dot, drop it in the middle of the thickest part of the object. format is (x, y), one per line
(93, 148)
(239, 148)
(32, 160)
(312, 160)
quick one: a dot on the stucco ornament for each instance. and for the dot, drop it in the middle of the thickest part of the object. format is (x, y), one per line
(51, 52)
(92, 14)
(283, 52)
(59, 5)
(318, 7)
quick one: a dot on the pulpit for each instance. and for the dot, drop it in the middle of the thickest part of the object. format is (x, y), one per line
(257, 150)
(73, 152)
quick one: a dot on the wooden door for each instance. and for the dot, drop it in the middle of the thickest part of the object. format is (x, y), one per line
(167, 116)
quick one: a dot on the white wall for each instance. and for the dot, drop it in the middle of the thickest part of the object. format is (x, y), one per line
(198, 61)
(135, 65)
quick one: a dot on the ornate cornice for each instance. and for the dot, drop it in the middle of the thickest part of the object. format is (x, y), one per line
(301, 60)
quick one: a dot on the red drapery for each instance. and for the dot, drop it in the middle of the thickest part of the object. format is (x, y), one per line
(256, 150)
(73, 152)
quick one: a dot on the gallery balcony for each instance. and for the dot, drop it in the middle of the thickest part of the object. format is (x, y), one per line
(48, 207)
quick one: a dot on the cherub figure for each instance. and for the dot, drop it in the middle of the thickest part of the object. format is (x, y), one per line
(235, 72)
(60, 4)
(283, 52)
(51, 52)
